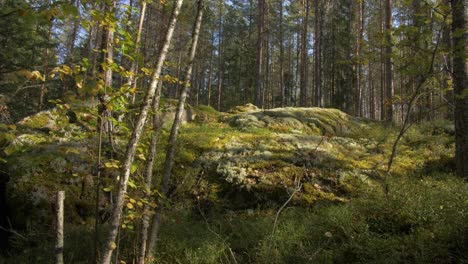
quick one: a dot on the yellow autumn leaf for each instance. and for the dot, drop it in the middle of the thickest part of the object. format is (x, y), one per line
(113, 246)
(130, 206)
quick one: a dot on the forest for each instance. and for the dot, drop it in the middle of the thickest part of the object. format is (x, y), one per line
(233, 131)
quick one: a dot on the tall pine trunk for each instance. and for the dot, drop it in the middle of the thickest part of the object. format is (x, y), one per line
(281, 46)
(210, 74)
(259, 74)
(303, 67)
(360, 40)
(388, 107)
(220, 55)
(460, 83)
(318, 101)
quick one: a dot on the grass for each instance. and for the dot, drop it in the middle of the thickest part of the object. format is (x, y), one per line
(420, 221)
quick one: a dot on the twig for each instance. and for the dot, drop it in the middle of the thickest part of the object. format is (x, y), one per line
(13, 232)
(215, 233)
(411, 103)
(298, 188)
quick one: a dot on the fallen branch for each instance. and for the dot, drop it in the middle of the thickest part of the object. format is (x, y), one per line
(297, 189)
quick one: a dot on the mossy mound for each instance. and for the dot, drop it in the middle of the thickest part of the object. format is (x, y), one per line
(311, 121)
(252, 159)
(243, 109)
(52, 150)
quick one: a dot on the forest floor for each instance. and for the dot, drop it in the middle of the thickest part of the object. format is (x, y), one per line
(233, 172)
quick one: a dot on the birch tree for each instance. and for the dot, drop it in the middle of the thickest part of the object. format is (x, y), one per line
(135, 138)
(170, 154)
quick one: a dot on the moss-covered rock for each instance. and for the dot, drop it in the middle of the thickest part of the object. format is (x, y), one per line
(297, 120)
(244, 109)
(243, 159)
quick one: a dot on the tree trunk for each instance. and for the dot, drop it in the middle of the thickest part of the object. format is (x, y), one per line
(97, 42)
(266, 89)
(45, 68)
(59, 231)
(149, 174)
(131, 81)
(448, 66)
(303, 70)
(281, 46)
(170, 154)
(388, 62)
(210, 75)
(135, 138)
(259, 75)
(220, 54)
(382, 64)
(317, 57)
(460, 83)
(71, 44)
(109, 46)
(348, 69)
(371, 100)
(358, 100)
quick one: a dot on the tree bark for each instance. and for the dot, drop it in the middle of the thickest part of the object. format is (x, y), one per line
(220, 54)
(210, 75)
(59, 231)
(131, 81)
(317, 57)
(360, 40)
(109, 46)
(281, 46)
(135, 138)
(448, 66)
(388, 62)
(259, 74)
(170, 154)
(303, 70)
(45, 68)
(460, 83)
(149, 174)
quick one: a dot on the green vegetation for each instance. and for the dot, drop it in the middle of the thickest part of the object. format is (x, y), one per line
(232, 175)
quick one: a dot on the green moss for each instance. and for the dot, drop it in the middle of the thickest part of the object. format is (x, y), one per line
(244, 109)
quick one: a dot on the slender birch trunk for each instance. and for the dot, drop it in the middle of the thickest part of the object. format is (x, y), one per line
(168, 164)
(109, 57)
(131, 82)
(149, 174)
(59, 238)
(135, 138)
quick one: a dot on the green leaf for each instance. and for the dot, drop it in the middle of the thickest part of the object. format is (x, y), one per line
(132, 184)
(133, 168)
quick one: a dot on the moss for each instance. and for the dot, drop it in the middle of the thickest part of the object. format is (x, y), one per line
(244, 109)
(206, 114)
